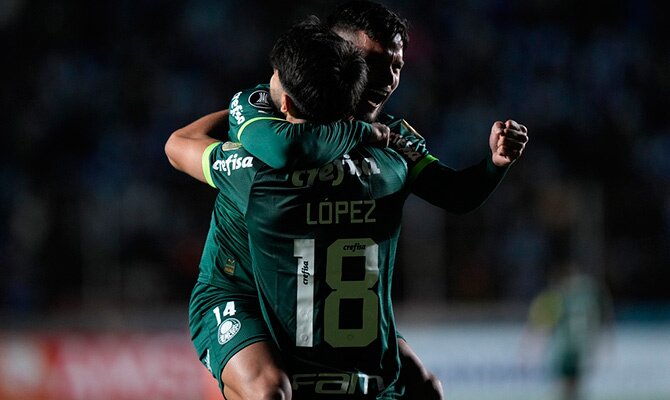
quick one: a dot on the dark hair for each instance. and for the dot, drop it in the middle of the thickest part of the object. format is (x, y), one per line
(377, 21)
(323, 74)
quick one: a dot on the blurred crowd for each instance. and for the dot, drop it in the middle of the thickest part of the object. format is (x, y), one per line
(92, 214)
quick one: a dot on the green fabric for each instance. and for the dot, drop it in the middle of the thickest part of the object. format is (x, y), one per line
(264, 132)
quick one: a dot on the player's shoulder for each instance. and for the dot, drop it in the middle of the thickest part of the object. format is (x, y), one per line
(388, 119)
(254, 100)
(257, 97)
(399, 127)
(405, 139)
(228, 149)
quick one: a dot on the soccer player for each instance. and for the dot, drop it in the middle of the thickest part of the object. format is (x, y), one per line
(323, 241)
(571, 315)
(225, 319)
(382, 36)
(470, 187)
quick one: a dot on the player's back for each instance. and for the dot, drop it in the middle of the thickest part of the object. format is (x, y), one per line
(323, 247)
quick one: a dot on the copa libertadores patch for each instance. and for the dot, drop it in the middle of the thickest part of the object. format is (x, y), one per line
(261, 100)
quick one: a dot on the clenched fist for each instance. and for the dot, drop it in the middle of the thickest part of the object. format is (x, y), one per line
(507, 141)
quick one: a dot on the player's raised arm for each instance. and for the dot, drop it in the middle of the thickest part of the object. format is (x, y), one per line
(507, 141)
(458, 191)
(185, 146)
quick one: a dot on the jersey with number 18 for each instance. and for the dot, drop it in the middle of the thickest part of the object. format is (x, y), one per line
(323, 245)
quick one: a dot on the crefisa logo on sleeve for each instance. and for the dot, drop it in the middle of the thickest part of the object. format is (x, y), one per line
(227, 329)
(261, 100)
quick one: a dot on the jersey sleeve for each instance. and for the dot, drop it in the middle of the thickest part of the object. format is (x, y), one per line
(456, 191)
(262, 130)
(231, 169)
(407, 142)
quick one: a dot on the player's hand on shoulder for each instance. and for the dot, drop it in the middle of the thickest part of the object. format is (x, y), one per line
(380, 135)
(507, 141)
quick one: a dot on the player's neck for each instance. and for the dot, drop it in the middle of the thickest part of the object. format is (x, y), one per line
(294, 120)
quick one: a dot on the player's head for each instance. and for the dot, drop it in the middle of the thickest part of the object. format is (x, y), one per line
(382, 36)
(318, 76)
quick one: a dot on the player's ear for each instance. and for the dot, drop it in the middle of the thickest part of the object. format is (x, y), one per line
(287, 106)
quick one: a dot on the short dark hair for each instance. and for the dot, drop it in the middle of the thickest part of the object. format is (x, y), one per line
(376, 20)
(323, 74)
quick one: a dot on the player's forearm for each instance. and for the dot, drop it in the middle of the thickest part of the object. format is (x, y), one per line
(213, 125)
(319, 144)
(185, 146)
(460, 191)
(281, 144)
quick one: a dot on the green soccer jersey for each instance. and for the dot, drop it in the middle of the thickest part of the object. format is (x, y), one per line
(224, 311)
(266, 134)
(226, 261)
(324, 233)
(323, 244)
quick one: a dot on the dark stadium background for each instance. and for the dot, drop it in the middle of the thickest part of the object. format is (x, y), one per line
(97, 231)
